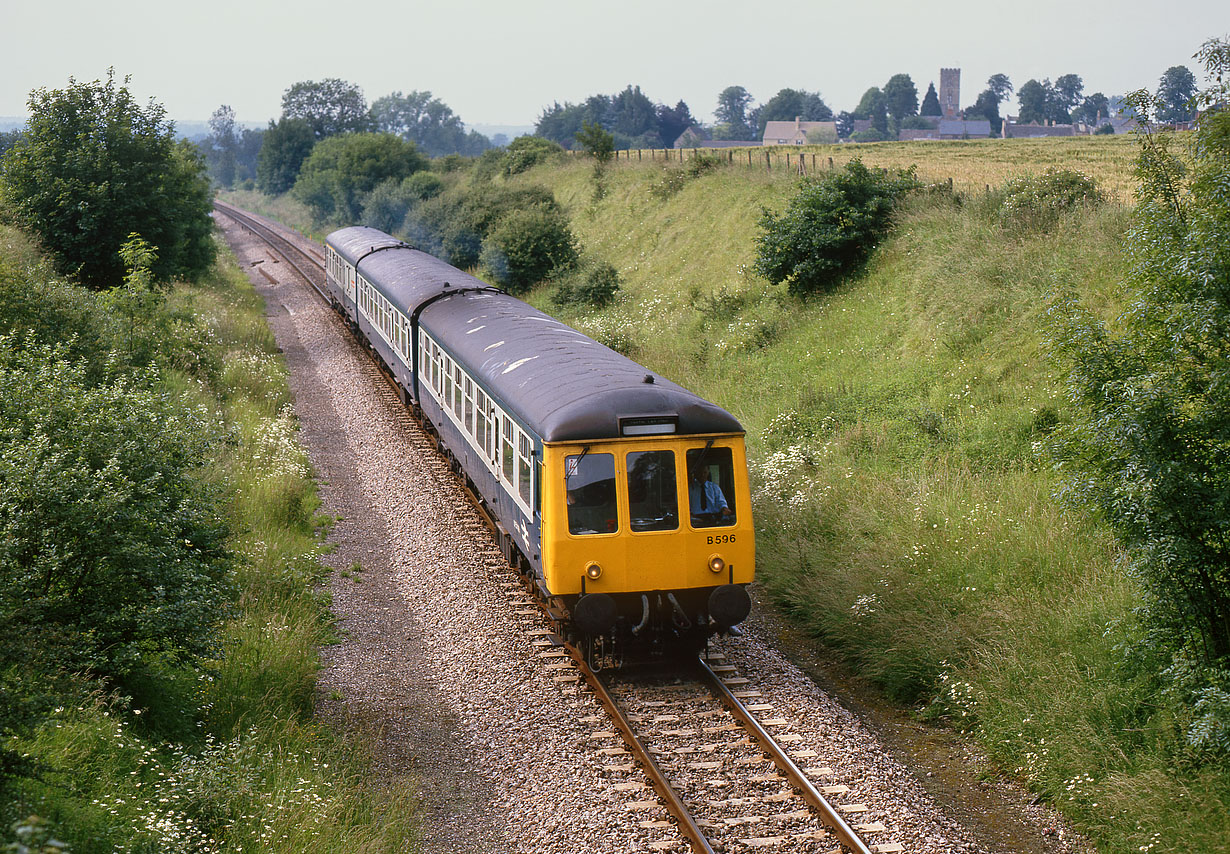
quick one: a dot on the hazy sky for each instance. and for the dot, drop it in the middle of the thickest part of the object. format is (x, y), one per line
(503, 61)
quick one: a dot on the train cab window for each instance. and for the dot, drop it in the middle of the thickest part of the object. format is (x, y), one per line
(589, 487)
(711, 487)
(525, 486)
(506, 452)
(652, 495)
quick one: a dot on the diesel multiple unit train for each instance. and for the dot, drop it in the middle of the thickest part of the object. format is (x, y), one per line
(622, 496)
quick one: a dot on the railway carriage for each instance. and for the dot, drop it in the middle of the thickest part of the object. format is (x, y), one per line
(622, 495)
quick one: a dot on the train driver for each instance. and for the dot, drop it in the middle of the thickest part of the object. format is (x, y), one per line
(705, 497)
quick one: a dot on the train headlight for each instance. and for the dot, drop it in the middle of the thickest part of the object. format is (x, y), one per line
(594, 571)
(716, 564)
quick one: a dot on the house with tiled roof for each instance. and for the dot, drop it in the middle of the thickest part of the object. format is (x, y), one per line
(795, 132)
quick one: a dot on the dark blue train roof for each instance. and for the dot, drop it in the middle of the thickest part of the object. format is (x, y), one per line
(558, 382)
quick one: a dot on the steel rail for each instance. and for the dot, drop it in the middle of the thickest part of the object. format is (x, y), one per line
(829, 816)
(670, 798)
(277, 243)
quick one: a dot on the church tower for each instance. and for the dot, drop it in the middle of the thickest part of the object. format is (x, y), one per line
(950, 92)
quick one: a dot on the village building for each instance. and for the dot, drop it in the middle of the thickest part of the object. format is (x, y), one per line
(797, 131)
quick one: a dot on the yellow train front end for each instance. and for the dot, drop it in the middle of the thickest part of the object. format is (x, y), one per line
(645, 537)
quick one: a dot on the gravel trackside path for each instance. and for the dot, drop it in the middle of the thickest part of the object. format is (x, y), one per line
(437, 652)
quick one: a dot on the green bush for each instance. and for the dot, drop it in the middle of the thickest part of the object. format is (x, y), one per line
(1038, 202)
(93, 168)
(112, 548)
(342, 170)
(526, 246)
(526, 152)
(596, 285)
(830, 227)
(674, 180)
(454, 224)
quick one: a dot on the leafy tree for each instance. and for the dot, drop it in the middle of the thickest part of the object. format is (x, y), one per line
(1176, 90)
(900, 97)
(1095, 107)
(330, 106)
(789, 104)
(931, 103)
(1000, 86)
(222, 146)
(247, 157)
(1153, 452)
(634, 114)
(1034, 99)
(873, 106)
(286, 145)
(341, 170)
(986, 107)
(526, 245)
(1067, 94)
(93, 168)
(732, 114)
(673, 121)
(561, 123)
(8, 139)
(822, 136)
(830, 227)
(845, 124)
(427, 122)
(598, 143)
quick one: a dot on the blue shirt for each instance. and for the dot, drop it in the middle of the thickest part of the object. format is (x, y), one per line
(706, 497)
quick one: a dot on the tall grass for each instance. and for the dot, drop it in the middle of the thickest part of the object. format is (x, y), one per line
(906, 508)
(248, 767)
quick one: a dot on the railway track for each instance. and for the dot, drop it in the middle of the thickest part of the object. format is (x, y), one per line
(714, 767)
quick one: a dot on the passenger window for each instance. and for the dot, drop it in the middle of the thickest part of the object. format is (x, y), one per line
(481, 423)
(711, 487)
(589, 487)
(524, 484)
(506, 451)
(457, 391)
(469, 419)
(652, 497)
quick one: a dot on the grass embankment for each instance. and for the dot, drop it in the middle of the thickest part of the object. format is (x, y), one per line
(238, 763)
(906, 510)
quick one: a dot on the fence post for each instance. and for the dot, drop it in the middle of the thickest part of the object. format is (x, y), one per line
(768, 163)
(830, 163)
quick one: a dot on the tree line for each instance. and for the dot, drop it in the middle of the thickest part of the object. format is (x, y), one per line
(314, 110)
(634, 121)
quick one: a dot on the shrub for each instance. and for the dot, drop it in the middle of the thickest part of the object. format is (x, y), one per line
(526, 246)
(1038, 202)
(112, 549)
(674, 180)
(93, 168)
(597, 285)
(830, 227)
(526, 152)
(341, 170)
(455, 224)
